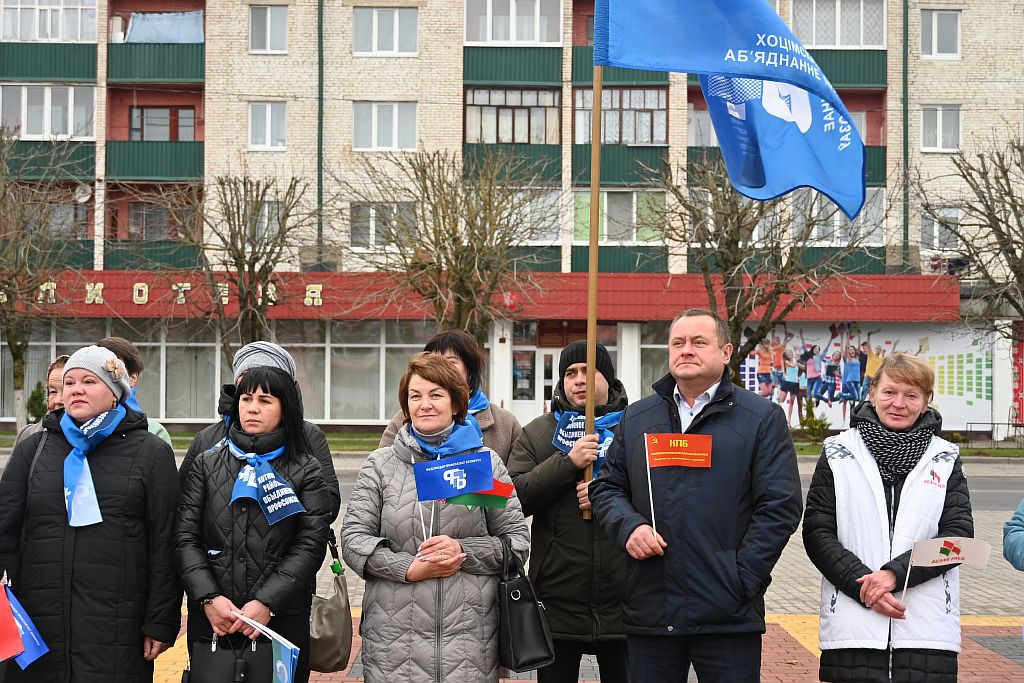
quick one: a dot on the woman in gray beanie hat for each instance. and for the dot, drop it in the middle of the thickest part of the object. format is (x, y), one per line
(111, 532)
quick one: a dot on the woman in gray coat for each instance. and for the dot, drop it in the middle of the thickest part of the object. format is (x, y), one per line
(430, 609)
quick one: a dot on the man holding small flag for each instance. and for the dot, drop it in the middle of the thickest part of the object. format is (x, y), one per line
(576, 569)
(701, 488)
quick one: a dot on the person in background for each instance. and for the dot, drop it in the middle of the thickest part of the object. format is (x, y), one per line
(93, 569)
(132, 359)
(54, 398)
(430, 610)
(236, 553)
(499, 428)
(790, 387)
(576, 569)
(1013, 539)
(829, 377)
(851, 392)
(874, 362)
(763, 352)
(263, 354)
(892, 457)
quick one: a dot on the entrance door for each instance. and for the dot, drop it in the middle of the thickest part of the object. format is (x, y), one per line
(534, 373)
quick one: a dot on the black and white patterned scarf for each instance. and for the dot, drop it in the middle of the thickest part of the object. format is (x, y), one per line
(895, 452)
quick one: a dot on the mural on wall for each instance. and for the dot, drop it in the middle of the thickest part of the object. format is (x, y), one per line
(834, 364)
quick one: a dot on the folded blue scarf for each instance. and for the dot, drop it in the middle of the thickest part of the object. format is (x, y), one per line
(79, 491)
(464, 437)
(259, 481)
(478, 401)
(571, 426)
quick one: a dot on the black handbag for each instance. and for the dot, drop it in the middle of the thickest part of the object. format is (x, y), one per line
(218, 661)
(524, 635)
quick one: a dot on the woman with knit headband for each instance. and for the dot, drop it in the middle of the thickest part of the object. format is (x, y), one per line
(93, 568)
(252, 524)
(881, 485)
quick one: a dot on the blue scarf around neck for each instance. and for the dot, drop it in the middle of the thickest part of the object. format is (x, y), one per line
(478, 401)
(133, 402)
(79, 492)
(464, 437)
(571, 426)
(258, 480)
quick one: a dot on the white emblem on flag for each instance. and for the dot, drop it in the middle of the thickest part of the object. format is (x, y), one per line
(456, 478)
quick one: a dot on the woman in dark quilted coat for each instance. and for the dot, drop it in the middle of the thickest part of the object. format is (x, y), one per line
(96, 574)
(239, 552)
(881, 485)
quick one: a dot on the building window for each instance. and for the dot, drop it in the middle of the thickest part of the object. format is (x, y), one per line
(68, 220)
(148, 222)
(384, 125)
(268, 29)
(940, 128)
(513, 116)
(938, 229)
(514, 21)
(47, 21)
(830, 226)
(632, 116)
(44, 112)
(940, 33)
(267, 125)
(630, 217)
(269, 219)
(163, 124)
(384, 32)
(700, 131)
(379, 224)
(839, 23)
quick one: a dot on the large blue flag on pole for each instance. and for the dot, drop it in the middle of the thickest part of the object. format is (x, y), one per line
(779, 122)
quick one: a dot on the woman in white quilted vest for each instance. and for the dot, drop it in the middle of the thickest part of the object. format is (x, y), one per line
(430, 610)
(881, 485)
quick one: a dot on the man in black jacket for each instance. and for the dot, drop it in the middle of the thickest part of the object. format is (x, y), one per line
(270, 355)
(576, 569)
(706, 524)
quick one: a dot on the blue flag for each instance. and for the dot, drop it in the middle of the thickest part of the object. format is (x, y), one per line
(780, 123)
(453, 476)
(286, 658)
(30, 638)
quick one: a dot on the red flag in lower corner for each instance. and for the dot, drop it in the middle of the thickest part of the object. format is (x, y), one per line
(10, 638)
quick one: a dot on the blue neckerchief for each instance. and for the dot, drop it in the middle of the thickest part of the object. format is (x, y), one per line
(79, 491)
(133, 402)
(571, 426)
(464, 437)
(478, 401)
(259, 481)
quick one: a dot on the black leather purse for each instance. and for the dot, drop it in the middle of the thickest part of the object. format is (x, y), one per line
(524, 635)
(218, 661)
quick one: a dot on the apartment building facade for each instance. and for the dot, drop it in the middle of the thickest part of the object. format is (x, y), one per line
(172, 92)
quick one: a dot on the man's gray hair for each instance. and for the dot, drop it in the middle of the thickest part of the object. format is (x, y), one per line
(721, 327)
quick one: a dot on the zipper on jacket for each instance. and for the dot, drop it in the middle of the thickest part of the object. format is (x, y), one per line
(438, 615)
(892, 531)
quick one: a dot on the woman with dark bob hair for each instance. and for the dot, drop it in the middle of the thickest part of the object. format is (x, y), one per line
(235, 551)
(881, 485)
(498, 427)
(430, 609)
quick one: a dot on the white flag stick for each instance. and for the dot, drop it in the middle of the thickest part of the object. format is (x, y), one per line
(650, 490)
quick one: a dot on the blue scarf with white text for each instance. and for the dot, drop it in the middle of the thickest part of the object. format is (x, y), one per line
(79, 492)
(261, 482)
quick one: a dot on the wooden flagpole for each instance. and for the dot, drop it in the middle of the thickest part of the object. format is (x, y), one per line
(595, 221)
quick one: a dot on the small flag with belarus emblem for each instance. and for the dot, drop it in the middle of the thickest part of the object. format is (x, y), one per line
(934, 552)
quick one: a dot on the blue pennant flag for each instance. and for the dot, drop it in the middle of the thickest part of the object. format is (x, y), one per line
(30, 638)
(258, 480)
(780, 123)
(453, 476)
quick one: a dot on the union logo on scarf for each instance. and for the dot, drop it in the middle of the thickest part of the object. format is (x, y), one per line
(572, 425)
(79, 491)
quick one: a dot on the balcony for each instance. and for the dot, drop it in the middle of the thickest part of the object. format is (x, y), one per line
(583, 71)
(155, 161)
(43, 62)
(616, 259)
(620, 164)
(34, 160)
(548, 158)
(156, 63)
(149, 255)
(538, 66)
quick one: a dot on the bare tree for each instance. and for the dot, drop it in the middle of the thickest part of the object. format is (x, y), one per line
(37, 231)
(978, 228)
(244, 229)
(760, 260)
(454, 233)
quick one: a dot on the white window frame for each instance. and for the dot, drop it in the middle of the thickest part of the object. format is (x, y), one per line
(512, 26)
(377, 241)
(375, 147)
(942, 111)
(812, 45)
(269, 127)
(934, 15)
(691, 127)
(375, 51)
(836, 238)
(269, 10)
(950, 214)
(603, 237)
(12, 32)
(48, 112)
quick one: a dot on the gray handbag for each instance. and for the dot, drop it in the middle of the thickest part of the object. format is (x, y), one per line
(330, 622)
